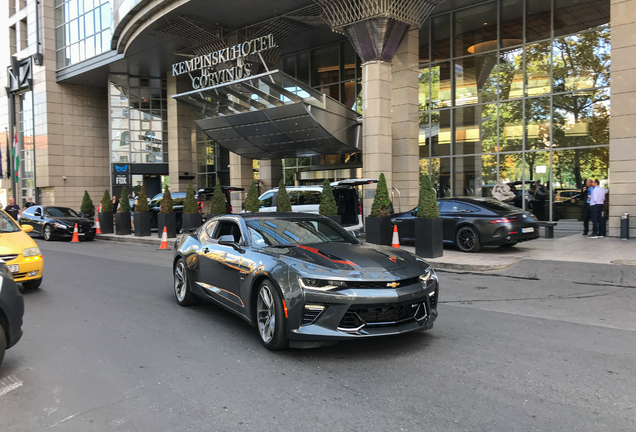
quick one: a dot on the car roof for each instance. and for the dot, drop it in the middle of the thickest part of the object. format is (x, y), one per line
(275, 215)
(474, 200)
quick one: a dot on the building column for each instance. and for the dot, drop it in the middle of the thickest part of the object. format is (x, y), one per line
(377, 136)
(241, 175)
(623, 117)
(271, 171)
(181, 150)
(405, 130)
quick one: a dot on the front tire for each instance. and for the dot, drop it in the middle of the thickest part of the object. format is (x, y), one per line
(467, 239)
(47, 232)
(32, 284)
(270, 317)
(182, 285)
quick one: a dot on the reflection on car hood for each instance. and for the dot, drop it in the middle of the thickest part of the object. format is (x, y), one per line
(342, 260)
(72, 221)
(15, 243)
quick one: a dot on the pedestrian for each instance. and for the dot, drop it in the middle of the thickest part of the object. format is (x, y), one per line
(597, 200)
(115, 203)
(585, 195)
(13, 209)
(29, 203)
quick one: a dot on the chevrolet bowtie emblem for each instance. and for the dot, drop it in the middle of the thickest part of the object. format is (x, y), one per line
(393, 284)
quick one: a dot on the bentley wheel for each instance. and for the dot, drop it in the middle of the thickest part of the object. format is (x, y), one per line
(182, 285)
(270, 317)
(47, 233)
(467, 239)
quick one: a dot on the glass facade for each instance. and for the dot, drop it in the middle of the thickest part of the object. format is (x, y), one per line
(83, 29)
(213, 161)
(26, 144)
(518, 91)
(138, 119)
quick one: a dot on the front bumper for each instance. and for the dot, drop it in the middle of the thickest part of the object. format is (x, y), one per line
(363, 313)
(68, 233)
(29, 268)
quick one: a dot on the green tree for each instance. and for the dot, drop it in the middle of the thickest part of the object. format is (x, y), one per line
(87, 203)
(381, 206)
(166, 201)
(328, 206)
(107, 204)
(218, 204)
(124, 204)
(142, 201)
(190, 202)
(282, 200)
(427, 204)
(252, 204)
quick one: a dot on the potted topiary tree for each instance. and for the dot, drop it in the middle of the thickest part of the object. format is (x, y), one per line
(191, 217)
(328, 206)
(378, 223)
(106, 214)
(218, 203)
(142, 216)
(282, 199)
(166, 217)
(122, 218)
(87, 209)
(429, 239)
(252, 204)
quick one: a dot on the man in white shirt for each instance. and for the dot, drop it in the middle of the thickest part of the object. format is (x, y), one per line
(597, 200)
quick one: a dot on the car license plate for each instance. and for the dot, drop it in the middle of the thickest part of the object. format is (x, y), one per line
(14, 268)
(527, 230)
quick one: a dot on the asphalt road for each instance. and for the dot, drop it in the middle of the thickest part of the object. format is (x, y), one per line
(106, 347)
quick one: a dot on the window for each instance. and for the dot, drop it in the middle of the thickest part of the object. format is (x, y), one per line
(309, 197)
(228, 228)
(24, 42)
(266, 200)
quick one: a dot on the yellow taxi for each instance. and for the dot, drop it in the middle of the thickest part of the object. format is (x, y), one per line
(20, 253)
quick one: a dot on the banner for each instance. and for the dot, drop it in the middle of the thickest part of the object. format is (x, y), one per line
(16, 158)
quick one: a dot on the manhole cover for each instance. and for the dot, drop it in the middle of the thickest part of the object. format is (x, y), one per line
(624, 262)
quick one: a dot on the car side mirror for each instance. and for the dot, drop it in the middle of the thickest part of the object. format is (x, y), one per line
(227, 240)
(27, 228)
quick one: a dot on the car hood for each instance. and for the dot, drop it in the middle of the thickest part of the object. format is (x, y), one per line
(15, 243)
(342, 260)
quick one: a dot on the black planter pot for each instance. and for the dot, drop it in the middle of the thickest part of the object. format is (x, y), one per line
(194, 220)
(378, 230)
(337, 219)
(142, 224)
(122, 223)
(106, 222)
(429, 238)
(168, 220)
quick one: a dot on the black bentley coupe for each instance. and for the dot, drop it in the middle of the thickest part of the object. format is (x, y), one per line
(302, 279)
(57, 222)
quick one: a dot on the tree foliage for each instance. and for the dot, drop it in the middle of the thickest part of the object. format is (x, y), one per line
(87, 203)
(124, 204)
(328, 206)
(427, 204)
(381, 206)
(142, 201)
(166, 202)
(252, 204)
(190, 202)
(107, 204)
(218, 204)
(282, 200)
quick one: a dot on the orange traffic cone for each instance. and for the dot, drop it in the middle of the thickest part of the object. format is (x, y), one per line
(75, 238)
(99, 230)
(396, 239)
(164, 239)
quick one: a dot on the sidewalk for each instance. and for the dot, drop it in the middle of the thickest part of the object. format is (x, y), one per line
(149, 240)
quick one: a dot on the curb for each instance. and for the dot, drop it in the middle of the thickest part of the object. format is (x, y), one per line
(470, 267)
(138, 240)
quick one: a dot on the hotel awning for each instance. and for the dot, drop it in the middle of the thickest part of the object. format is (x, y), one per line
(274, 116)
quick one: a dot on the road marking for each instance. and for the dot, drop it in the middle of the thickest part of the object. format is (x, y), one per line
(9, 384)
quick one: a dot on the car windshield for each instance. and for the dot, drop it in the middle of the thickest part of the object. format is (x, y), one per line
(7, 224)
(60, 212)
(497, 205)
(295, 231)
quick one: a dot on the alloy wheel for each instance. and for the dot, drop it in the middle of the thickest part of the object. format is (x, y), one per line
(466, 239)
(47, 233)
(266, 314)
(180, 281)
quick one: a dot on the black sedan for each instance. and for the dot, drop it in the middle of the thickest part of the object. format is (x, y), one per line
(57, 222)
(302, 280)
(11, 311)
(470, 223)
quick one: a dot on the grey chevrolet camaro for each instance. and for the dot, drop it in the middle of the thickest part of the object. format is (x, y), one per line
(302, 280)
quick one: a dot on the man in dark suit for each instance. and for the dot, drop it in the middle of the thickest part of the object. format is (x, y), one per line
(586, 193)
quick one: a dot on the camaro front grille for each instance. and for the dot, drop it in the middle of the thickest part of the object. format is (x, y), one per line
(382, 284)
(376, 315)
(7, 258)
(432, 300)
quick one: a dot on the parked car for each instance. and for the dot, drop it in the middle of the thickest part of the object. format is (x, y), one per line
(302, 278)
(53, 222)
(205, 195)
(570, 195)
(306, 199)
(19, 252)
(11, 310)
(470, 223)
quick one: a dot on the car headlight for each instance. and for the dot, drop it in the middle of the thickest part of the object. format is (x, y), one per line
(321, 284)
(32, 251)
(60, 226)
(428, 273)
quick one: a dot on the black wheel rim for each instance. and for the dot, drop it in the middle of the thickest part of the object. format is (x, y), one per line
(466, 239)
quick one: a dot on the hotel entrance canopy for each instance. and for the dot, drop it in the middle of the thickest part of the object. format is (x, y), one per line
(274, 116)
